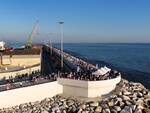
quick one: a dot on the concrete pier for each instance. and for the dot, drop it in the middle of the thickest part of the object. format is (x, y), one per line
(88, 89)
(65, 81)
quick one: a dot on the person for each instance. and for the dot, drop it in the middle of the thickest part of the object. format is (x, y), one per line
(78, 69)
(20, 84)
(96, 66)
(7, 86)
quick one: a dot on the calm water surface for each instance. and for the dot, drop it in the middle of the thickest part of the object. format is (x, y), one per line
(133, 60)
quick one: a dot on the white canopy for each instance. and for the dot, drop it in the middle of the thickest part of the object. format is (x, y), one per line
(101, 71)
(108, 69)
(104, 70)
(98, 72)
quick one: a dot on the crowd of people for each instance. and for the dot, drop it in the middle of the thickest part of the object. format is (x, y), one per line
(88, 76)
(84, 69)
(75, 60)
(23, 80)
(36, 78)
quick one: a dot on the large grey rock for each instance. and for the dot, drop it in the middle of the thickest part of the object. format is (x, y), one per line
(106, 110)
(128, 102)
(147, 110)
(98, 109)
(140, 102)
(91, 109)
(139, 94)
(111, 103)
(125, 97)
(104, 105)
(119, 99)
(79, 111)
(94, 104)
(121, 104)
(62, 99)
(44, 111)
(64, 111)
(74, 108)
(83, 106)
(58, 111)
(147, 103)
(138, 110)
(117, 108)
(127, 93)
(113, 111)
(70, 102)
(55, 108)
(133, 107)
(85, 112)
(127, 109)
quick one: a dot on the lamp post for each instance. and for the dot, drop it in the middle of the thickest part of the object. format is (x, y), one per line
(50, 45)
(62, 38)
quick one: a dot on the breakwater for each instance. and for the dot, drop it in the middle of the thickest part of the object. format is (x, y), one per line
(127, 97)
(130, 98)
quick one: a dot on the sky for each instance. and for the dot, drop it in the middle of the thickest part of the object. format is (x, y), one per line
(89, 21)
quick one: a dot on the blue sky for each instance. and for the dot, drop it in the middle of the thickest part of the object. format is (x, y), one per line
(85, 20)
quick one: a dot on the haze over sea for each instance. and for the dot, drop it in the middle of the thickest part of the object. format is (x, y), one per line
(133, 60)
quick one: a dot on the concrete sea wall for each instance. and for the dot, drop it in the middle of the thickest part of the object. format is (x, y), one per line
(88, 89)
(20, 60)
(29, 94)
(124, 100)
(19, 72)
(67, 87)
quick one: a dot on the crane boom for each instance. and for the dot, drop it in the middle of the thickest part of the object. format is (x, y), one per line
(33, 33)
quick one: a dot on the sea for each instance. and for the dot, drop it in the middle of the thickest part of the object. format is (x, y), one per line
(131, 59)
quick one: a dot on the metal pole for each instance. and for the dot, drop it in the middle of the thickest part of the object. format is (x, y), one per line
(51, 46)
(0, 59)
(61, 28)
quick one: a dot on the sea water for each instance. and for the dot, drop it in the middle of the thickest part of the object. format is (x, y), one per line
(133, 60)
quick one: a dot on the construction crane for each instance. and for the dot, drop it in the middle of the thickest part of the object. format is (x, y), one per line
(30, 38)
